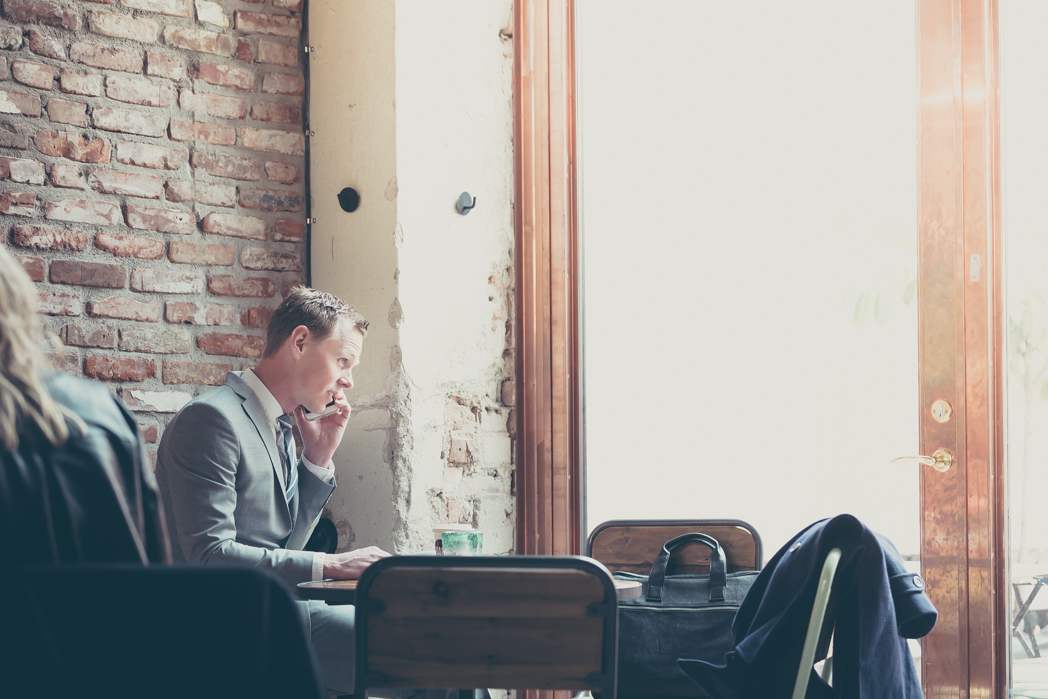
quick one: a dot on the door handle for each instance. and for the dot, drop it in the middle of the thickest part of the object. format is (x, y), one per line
(941, 460)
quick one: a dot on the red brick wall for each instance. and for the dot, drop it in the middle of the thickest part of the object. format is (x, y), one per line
(151, 164)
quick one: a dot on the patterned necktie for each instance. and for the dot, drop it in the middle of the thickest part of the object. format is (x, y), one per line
(287, 443)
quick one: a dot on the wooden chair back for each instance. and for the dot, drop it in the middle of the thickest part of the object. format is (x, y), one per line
(515, 622)
(632, 545)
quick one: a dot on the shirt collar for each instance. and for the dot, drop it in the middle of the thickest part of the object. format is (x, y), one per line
(265, 397)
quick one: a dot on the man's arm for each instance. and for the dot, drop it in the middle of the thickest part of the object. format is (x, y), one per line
(200, 457)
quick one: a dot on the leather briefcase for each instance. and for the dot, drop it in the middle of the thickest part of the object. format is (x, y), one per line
(677, 616)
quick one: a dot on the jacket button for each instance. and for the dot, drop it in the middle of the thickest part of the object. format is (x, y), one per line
(918, 581)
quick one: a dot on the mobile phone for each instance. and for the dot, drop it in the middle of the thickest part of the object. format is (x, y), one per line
(329, 409)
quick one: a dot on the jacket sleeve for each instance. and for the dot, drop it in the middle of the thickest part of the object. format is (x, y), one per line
(200, 456)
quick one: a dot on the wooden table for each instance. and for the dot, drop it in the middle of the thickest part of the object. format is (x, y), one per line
(345, 591)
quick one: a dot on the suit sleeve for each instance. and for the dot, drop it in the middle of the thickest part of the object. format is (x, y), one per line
(200, 461)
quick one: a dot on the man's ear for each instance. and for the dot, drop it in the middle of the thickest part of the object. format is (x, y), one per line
(299, 337)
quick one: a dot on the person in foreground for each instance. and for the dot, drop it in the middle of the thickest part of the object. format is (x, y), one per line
(74, 485)
(234, 490)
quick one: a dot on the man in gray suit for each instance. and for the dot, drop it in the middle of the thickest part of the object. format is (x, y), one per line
(233, 488)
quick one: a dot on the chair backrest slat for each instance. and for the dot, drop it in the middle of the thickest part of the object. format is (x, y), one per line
(632, 545)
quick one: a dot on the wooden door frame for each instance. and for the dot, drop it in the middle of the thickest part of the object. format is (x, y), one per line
(548, 449)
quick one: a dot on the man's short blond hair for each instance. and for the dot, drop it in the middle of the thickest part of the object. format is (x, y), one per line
(319, 311)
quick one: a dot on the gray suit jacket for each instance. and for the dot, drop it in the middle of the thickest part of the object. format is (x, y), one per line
(217, 471)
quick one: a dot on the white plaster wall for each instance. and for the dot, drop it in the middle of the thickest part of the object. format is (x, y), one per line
(417, 100)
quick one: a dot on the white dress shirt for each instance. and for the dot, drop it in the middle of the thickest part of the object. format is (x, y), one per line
(273, 411)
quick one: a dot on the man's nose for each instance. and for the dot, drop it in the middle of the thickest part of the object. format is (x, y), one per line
(346, 382)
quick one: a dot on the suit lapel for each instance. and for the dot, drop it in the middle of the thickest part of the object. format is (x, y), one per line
(255, 411)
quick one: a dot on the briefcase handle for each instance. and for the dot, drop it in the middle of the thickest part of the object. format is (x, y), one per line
(718, 566)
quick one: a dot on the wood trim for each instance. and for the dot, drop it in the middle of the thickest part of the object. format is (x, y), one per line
(546, 220)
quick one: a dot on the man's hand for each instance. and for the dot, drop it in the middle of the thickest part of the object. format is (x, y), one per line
(351, 564)
(321, 437)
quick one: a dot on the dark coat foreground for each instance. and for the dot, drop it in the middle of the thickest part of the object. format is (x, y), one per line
(878, 606)
(93, 499)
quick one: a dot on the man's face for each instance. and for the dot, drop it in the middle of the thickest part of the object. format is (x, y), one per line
(326, 366)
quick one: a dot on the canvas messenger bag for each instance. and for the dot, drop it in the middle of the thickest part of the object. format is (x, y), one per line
(677, 616)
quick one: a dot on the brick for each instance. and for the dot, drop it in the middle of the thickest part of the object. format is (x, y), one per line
(175, 8)
(96, 213)
(45, 45)
(293, 5)
(256, 317)
(289, 231)
(271, 141)
(243, 287)
(18, 203)
(150, 431)
(127, 121)
(58, 303)
(65, 112)
(69, 363)
(277, 54)
(231, 166)
(74, 335)
(44, 238)
(235, 226)
(161, 220)
(21, 170)
(509, 392)
(80, 83)
(68, 176)
(275, 25)
(270, 199)
(211, 13)
(200, 40)
(166, 282)
(275, 260)
(123, 27)
(10, 37)
(19, 103)
(154, 402)
(88, 274)
(119, 368)
(136, 91)
(187, 253)
(35, 267)
(130, 246)
(160, 65)
(284, 84)
(148, 155)
(123, 308)
(283, 173)
(195, 372)
(215, 134)
(288, 287)
(213, 105)
(189, 313)
(226, 76)
(108, 57)
(131, 184)
(65, 144)
(232, 345)
(49, 12)
(244, 51)
(154, 340)
(276, 112)
(33, 74)
(207, 193)
(14, 136)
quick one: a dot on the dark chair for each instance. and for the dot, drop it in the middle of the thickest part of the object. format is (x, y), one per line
(165, 631)
(515, 622)
(631, 545)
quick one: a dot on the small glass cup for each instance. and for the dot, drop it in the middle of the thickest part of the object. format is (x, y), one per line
(460, 543)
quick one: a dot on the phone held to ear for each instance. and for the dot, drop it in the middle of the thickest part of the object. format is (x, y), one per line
(329, 409)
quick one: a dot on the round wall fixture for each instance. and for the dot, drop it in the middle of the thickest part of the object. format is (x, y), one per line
(349, 200)
(465, 203)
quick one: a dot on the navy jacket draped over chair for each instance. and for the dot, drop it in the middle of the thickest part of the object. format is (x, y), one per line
(878, 605)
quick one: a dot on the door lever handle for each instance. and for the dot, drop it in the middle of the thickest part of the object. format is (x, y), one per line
(941, 460)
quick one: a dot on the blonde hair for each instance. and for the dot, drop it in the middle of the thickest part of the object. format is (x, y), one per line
(23, 397)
